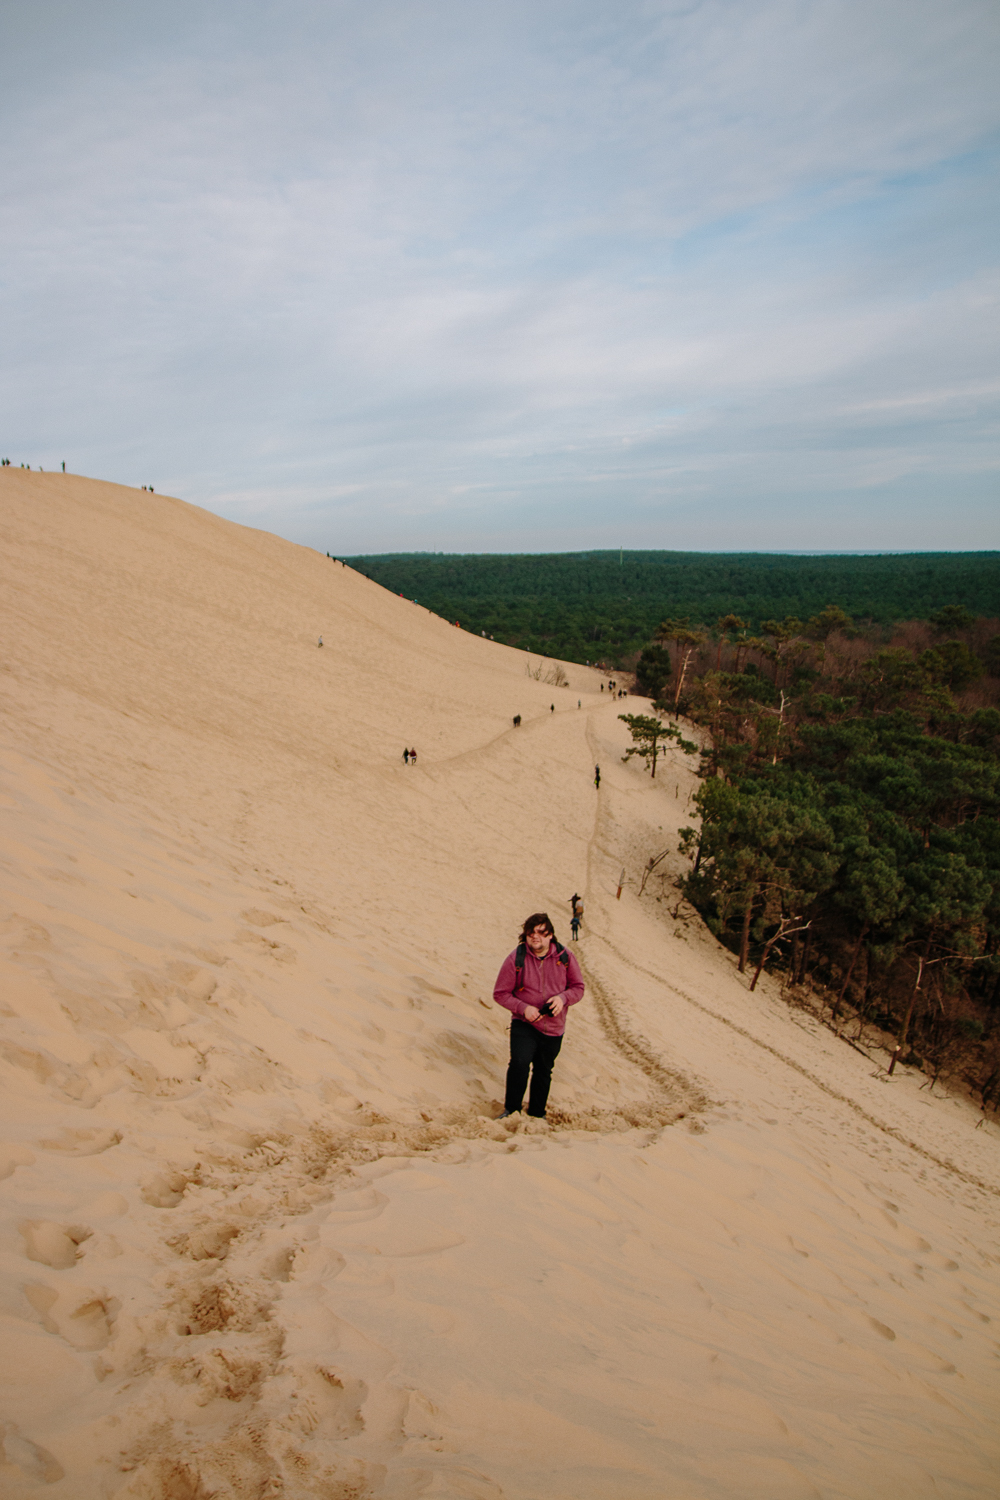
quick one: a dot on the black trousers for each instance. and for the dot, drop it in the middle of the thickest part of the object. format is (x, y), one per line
(530, 1049)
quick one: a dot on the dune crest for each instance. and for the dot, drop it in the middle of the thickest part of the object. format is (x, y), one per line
(262, 1233)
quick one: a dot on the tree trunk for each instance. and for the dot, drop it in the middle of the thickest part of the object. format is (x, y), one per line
(850, 970)
(763, 960)
(680, 680)
(781, 720)
(901, 1039)
(805, 957)
(745, 934)
(783, 930)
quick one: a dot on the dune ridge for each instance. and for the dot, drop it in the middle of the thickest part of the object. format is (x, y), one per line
(261, 1232)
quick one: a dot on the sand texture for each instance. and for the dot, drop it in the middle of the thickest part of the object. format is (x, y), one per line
(261, 1232)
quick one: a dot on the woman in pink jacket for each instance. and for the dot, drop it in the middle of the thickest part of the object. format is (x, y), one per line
(536, 983)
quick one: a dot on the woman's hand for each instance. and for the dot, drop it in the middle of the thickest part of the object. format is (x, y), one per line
(531, 1013)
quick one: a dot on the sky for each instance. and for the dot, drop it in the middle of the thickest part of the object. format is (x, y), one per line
(481, 277)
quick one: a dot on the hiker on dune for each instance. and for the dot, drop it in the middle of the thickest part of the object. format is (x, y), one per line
(537, 983)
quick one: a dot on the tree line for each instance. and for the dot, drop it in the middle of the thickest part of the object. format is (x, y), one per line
(606, 606)
(849, 830)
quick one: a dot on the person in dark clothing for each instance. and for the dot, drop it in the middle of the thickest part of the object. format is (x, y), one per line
(537, 983)
(597, 777)
(406, 755)
(575, 928)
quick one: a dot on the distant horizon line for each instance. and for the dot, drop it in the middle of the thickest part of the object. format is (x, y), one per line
(711, 552)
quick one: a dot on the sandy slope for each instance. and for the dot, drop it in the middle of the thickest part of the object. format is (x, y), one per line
(260, 1233)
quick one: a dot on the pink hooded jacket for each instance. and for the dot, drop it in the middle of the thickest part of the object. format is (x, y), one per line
(543, 977)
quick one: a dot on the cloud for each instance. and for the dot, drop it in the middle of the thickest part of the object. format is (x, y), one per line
(358, 271)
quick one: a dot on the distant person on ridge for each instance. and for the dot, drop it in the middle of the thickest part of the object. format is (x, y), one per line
(575, 927)
(536, 983)
(597, 777)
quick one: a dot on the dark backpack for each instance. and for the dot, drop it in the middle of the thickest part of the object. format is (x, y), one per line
(521, 955)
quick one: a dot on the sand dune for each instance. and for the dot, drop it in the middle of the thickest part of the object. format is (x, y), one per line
(261, 1232)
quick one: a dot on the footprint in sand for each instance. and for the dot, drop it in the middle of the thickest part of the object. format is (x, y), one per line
(164, 1190)
(221, 1305)
(80, 1315)
(328, 1403)
(54, 1245)
(12, 1157)
(208, 1241)
(357, 1206)
(28, 1059)
(422, 1418)
(29, 937)
(221, 1374)
(461, 1483)
(264, 946)
(62, 877)
(82, 1142)
(258, 918)
(277, 1264)
(19, 1452)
